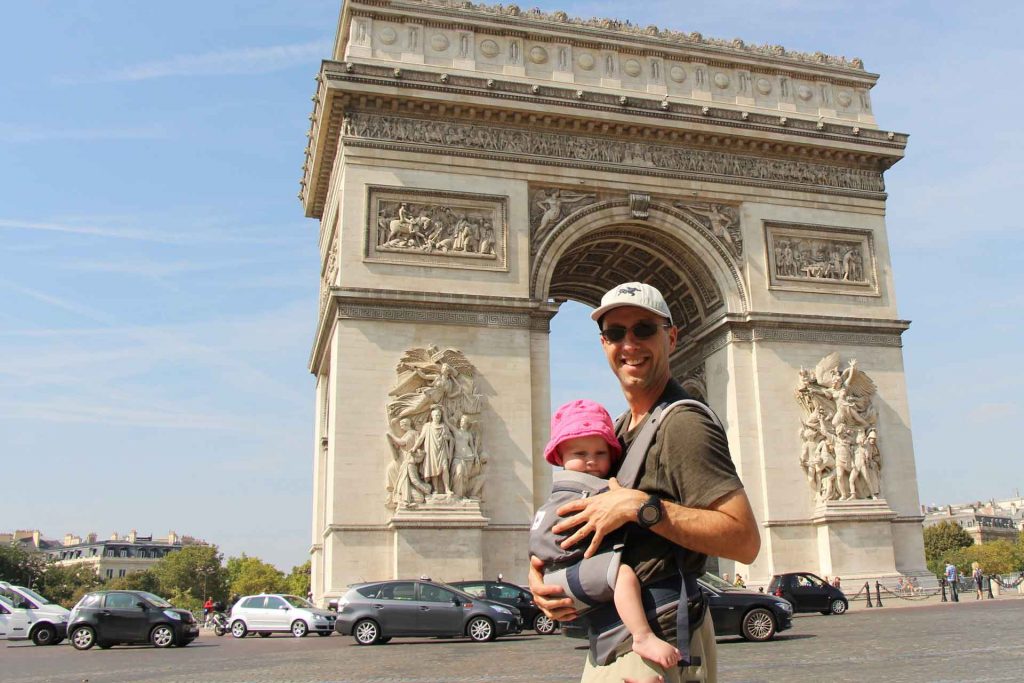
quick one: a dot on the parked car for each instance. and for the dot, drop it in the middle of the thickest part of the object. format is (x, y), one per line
(734, 611)
(107, 618)
(26, 614)
(377, 612)
(808, 593)
(742, 612)
(277, 613)
(511, 595)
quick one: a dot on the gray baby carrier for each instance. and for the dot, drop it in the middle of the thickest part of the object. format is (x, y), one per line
(590, 582)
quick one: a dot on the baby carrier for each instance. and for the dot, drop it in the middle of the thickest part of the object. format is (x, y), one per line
(590, 582)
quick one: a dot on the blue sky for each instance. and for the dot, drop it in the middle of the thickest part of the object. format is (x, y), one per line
(158, 282)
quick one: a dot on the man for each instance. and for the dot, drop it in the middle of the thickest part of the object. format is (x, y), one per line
(951, 579)
(687, 481)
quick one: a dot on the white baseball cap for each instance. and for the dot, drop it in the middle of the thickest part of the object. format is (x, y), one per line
(633, 294)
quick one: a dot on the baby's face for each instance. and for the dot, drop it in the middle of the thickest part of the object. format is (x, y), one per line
(587, 454)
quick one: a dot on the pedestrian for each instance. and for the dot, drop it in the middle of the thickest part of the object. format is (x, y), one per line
(739, 582)
(725, 577)
(978, 579)
(951, 576)
(687, 493)
(207, 610)
(837, 582)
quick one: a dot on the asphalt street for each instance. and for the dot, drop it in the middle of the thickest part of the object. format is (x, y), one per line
(969, 641)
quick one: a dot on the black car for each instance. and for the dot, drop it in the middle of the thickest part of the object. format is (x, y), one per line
(376, 612)
(741, 612)
(513, 596)
(734, 611)
(107, 618)
(808, 593)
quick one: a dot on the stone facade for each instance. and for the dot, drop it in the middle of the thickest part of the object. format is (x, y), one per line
(471, 167)
(117, 556)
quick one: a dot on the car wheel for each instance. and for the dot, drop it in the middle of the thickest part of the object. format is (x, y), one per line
(83, 637)
(838, 606)
(238, 629)
(366, 632)
(758, 625)
(544, 625)
(162, 636)
(299, 628)
(44, 635)
(480, 629)
(264, 634)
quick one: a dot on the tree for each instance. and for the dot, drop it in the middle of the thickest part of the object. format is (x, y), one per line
(146, 580)
(188, 576)
(19, 566)
(66, 584)
(297, 583)
(995, 557)
(247, 575)
(941, 539)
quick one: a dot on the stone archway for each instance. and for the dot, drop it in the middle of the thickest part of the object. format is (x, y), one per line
(473, 167)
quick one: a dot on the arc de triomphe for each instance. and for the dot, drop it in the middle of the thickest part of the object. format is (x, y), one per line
(473, 166)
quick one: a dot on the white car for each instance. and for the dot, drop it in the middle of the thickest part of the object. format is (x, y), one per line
(25, 614)
(273, 613)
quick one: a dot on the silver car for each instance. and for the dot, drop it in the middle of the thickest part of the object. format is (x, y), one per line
(276, 613)
(376, 612)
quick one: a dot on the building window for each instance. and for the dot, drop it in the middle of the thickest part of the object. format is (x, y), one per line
(110, 573)
(124, 552)
(120, 573)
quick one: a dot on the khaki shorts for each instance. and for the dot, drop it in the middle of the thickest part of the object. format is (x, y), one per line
(631, 665)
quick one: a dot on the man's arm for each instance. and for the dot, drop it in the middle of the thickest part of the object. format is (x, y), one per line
(727, 528)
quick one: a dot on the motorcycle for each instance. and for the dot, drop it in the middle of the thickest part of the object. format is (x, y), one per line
(220, 623)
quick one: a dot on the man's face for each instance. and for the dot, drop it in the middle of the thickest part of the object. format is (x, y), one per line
(639, 363)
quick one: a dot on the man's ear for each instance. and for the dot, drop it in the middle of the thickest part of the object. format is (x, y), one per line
(673, 334)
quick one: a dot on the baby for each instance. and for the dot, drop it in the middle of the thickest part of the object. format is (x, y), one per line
(583, 441)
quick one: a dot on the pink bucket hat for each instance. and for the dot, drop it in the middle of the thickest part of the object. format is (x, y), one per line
(581, 418)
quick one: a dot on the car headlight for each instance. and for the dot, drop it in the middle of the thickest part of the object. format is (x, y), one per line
(501, 610)
(172, 615)
(785, 607)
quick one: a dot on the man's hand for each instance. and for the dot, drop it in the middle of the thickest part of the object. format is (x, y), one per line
(599, 515)
(548, 597)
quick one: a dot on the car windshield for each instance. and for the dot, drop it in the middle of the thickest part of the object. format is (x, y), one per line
(296, 601)
(35, 596)
(461, 593)
(156, 600)
(716, 582)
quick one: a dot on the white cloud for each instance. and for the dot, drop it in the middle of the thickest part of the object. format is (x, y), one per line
(220, 63)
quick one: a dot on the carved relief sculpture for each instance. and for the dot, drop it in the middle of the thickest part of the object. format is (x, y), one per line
(549, 206)
(723, 221)
(436, 228)
(838, 433)
(811, 258)
(433, 432)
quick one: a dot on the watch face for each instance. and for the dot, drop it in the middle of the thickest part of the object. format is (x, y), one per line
(649, 513)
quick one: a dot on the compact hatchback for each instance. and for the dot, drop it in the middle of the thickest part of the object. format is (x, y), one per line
(276, 613)
(27, 614)
(808, 593)
(376, 612)
(511, 595)
(107, 618)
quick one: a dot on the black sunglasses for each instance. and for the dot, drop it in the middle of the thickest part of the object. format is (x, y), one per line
(642, 330)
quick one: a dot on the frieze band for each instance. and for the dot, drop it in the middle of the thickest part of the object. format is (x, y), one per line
(364, 129)
(783, 334)
(444, 317)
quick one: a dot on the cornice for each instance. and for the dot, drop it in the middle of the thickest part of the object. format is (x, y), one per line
(365, 87)
(802, 329)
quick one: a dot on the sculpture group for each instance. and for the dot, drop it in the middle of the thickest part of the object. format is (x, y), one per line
(433, 228)
(838, 434)
(433, 431)
(819, 260)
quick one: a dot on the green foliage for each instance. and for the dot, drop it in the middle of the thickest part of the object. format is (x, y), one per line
(297, 583)
(145, 580)
(943, 538)
(67, 584)
(190, 575)
(248, 575)
(994, 557)
(18, 566)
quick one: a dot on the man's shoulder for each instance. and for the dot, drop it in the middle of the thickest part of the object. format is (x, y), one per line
(689, 416)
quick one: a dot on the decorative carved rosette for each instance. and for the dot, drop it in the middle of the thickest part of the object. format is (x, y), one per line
(838, 432)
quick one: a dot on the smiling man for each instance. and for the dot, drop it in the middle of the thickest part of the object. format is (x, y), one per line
(689, 503)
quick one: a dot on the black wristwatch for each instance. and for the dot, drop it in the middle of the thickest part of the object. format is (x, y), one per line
(649, 513)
